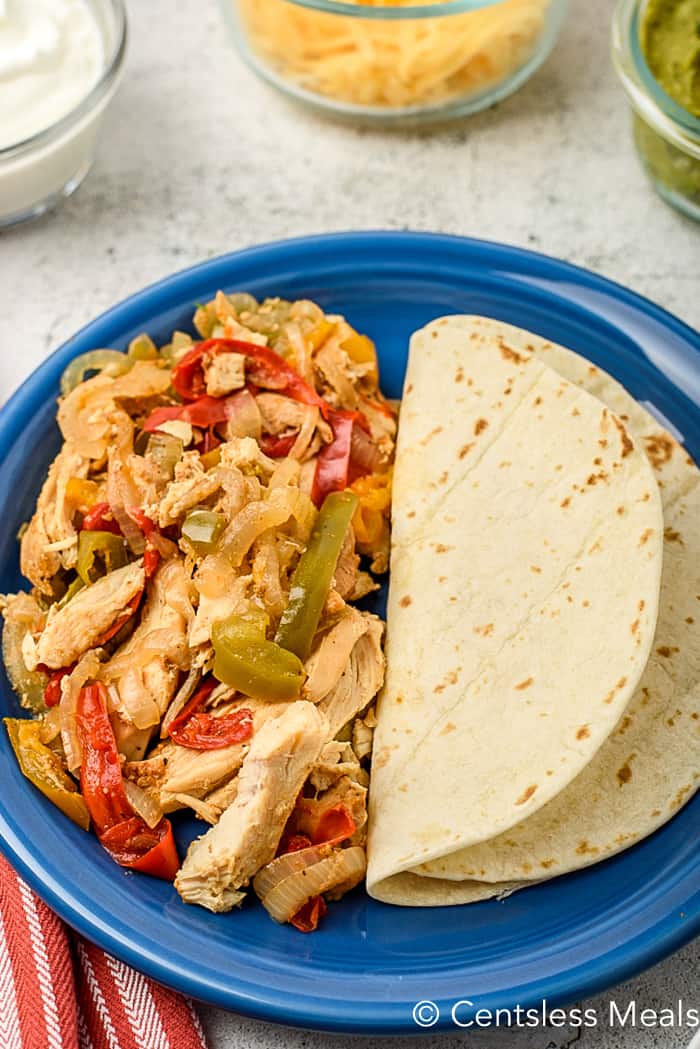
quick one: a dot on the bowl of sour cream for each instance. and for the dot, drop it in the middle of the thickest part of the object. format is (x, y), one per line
(60, 62)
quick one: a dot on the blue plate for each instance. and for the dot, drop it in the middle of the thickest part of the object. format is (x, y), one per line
(370, 963)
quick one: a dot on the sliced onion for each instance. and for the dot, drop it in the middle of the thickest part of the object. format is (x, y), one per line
(130, 530)
(50, 725)
(143, 804)
(88, 668)
(363, 451)
(23, 617)
(275, 872)
(165, 547)
(306, 433)
(203, 809)
(343, 867)
(256, 518)
(182, 696)
(286, 472)
(110, 362)
(243, 417)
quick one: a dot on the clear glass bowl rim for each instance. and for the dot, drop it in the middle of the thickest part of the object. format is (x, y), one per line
(659, 110)
(394, 14)
(109, 75)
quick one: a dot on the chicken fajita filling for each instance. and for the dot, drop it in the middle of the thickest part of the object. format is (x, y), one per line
(191, 639)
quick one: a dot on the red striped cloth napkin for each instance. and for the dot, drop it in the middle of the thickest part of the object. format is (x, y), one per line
(57, 991)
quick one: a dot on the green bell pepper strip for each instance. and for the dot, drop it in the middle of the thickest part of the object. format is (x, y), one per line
(98, 554)
(43, 768)
(312, 578)
(246, 661)
(203, 528)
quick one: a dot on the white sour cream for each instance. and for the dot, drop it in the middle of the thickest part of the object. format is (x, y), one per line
(51, 56)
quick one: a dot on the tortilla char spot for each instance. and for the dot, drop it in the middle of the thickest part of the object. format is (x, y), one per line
(536, 569)
(671, 536)
(624, 774)
(689, 620)
(620, 511)
(611, 694)
(443, 478)
(381, 759)
(509, 354)
(550, 772)
(451, 678)
(409, 388)
(449, 727)
(641, 605)
(479, 426)
(403, 788)
(411, 513)
(659, 449)
(680, 797)
(484, 631)
(597, 546)
(526, 794)
(440, 548)
(634, 627)
(465, 449)
(624, 725)
(537, 401)
(584, 849)
(433, 433)
(585, 603)
(399, 699)
(594, 478)
(583, 733)
(459, 375)
(695, 716)
(604, 416)
(627, 445)
(646, 536)
(565, 502)
(575, 411)
(546, 864)
(406, 600)
(667, 651)
(524, 684)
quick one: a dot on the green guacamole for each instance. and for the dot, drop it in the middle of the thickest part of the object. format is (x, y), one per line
(670, 38)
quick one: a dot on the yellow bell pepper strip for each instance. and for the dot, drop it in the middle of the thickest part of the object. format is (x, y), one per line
(202, 529)
(311, 581)
(98, 554)
(81, 493)
(43, 768)
(246, 661)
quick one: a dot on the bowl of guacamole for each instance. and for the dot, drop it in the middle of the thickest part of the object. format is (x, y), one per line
(656, 49)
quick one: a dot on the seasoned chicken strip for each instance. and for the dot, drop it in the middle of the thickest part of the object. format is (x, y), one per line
(78, 626)
(326, 664)
(146, 687)
(173, 769)
(53, 522)
(361, 680)
(222, 862)
(191, 485)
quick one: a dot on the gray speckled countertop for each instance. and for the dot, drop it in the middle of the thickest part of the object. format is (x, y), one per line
(198, 158)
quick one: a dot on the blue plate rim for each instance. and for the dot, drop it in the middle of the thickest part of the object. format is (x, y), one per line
(306, 1010)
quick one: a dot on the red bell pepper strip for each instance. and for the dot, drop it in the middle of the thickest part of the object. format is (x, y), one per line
(277, 447)
(198, 730)
(335, 825)
(307, 918)
(132, 843)
(52, 692)
(99, 518)
(128, 839)
(100, 773)
(334, 461)
(265, 367)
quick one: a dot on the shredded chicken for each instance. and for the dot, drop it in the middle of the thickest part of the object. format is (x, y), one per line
(146, 667)
(361, 680)
(53, 523)
(191, 485)
(347, 568)
(223, 861)
(328, 661)
(224, 373)
(79, 626)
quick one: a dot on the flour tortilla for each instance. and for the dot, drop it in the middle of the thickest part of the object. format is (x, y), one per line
(526, 560)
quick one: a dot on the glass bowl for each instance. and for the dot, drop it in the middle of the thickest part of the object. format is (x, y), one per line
(387, 61)
(37, 173)
(667, 137)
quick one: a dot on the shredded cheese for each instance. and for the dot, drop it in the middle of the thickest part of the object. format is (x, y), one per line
(394, 63)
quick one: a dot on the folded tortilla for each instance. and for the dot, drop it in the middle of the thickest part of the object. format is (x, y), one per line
(526, 562)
